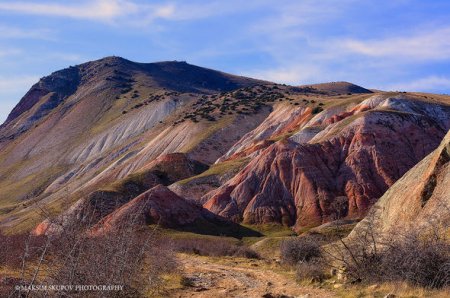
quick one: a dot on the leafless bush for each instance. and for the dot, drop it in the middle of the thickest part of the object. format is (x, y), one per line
(420, 255)
(213, 247)
(129, 256)
(13, 246)
(313, 270)
(299, 249)
(423, 261)
(245, 252)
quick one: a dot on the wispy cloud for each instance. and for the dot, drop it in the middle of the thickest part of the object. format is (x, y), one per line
(104, 10)
(429, 45)
(288, 35)
(11, 89)
(69, 57)
(5, 52)
(8, 32)
(130, 12)
(431, 83)
(15, 83)
(294, 74)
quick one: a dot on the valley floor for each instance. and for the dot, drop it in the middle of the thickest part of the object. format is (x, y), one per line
(236, 277)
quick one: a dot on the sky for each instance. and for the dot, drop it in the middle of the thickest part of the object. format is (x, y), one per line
(384, 44)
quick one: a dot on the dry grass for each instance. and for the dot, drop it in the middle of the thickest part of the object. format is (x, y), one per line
(219, 169)
(400, 289)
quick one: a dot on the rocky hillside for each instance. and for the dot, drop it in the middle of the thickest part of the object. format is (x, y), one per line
(112, 134)
(333, 165)
(419, 200)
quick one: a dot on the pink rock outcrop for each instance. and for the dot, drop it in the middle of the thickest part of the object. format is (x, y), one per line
(337, 175)
(159, 206)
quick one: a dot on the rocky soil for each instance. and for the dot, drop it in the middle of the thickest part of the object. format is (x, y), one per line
(208, 277)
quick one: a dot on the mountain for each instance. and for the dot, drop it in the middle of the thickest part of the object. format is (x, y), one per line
(109, 135)
(97, 122)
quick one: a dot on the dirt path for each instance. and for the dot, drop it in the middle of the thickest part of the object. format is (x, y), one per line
(230, 277)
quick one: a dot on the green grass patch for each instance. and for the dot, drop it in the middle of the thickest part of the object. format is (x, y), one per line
(219, 169)
(208, 228)
(272, 230)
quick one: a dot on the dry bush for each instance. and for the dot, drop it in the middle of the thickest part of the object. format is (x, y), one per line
(299, 249)
(246, 252)
(12, 248)
(418, 255)
(128, 255)
(213, 247)
(420, 261)
(313, 270)
(423, 261)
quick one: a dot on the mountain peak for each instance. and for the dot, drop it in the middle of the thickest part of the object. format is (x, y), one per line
(112, 77)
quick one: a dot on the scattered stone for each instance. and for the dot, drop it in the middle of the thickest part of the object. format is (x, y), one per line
(373, 287)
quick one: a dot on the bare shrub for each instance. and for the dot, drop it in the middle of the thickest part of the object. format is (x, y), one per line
(12, 248)
(127, 255)
(245, 252)
(212, 247)
(299, 249)
(313, 270)
(419, 255)
(417, 260)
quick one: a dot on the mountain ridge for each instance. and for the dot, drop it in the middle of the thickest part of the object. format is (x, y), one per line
(88, 126)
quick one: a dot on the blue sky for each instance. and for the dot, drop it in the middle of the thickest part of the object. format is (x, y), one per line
(385, 44)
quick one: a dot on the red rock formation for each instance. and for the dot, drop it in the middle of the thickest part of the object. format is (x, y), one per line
(157, 206)
(419, 200)
(340, 174)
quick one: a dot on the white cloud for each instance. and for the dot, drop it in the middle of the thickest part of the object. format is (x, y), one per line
(7, 32)
(431, 83)
(430, 45)
(69, 57)
(99, 9)
(296, 74)
(15, 83)
(130, 12)
(12, 88)
(106, 11)
(9, 52)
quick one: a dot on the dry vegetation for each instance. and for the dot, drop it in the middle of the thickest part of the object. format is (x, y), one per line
(247, 101)
(149, 262)
(417, 259)
(134, 258)
(213, 248)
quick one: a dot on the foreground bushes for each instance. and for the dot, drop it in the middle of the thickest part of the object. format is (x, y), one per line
(313, 270)
(299, 249)
(304, 253)
(12, 248)
(134, 259)
(417, 258)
